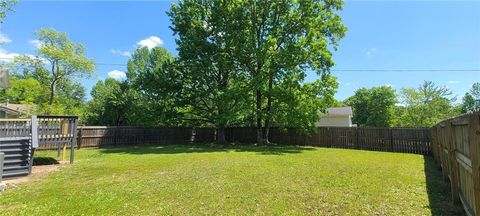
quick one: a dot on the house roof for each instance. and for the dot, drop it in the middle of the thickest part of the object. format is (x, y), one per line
(17, 108)
(339, 111)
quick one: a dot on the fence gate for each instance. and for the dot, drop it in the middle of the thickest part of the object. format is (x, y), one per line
(20, 137)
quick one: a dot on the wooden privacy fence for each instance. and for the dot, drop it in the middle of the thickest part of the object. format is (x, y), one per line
(456, 146)
(407, 140)
(378, 139)
(96, 136)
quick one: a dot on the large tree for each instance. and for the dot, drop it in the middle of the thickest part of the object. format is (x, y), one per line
(67, 59)
(110, 103)
(213, 82)
(156, 88)
(471, 100)
(278, 38)
(262, 42)
(373, 107)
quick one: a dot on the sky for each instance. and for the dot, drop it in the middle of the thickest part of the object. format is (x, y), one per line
(394, 43)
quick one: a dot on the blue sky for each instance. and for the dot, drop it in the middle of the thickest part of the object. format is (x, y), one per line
(382, 35)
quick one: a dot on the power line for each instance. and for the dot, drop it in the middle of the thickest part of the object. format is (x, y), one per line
(407, 70)
(340, 70)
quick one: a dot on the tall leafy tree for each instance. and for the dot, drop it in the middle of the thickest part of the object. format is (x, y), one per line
(156, 88)
(67, 59)
(471, 100)
(259, 41)
(30, 71)
(214, 83)
(373, 107)
(426, 105)
(110, 104)
(278, 38)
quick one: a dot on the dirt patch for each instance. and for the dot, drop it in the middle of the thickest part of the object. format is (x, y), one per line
(37, 173)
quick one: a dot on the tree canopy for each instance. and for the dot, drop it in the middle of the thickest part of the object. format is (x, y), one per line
(373, 107)
(471, 100)
(259, 45)
(426, 105)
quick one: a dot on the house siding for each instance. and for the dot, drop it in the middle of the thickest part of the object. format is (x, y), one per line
(335, 121)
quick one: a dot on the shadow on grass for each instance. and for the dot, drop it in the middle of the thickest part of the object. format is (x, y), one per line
(39, 161)
(206, 148)
(438, 190)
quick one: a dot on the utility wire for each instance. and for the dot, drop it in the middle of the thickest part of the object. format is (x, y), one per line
(340, 70)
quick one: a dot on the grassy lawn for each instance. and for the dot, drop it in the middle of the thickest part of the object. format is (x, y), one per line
(244, 180)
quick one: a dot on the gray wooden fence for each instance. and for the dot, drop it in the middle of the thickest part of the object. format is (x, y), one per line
(408, 140)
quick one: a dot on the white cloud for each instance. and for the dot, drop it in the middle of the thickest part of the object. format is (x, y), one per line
(116, 74)
(119, 52)
(150, 42)
(36, 43)
(453, 82)
(6, 56)
(371, 51)
(4, 39)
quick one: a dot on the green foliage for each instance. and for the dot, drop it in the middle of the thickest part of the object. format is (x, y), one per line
(426, 105)
(52, 87)
(214, 87)
(22, 91)
(66, 58)
(233, 51)
(6, 6)
(471, 100)
(111, 103)
(298, 105)
(373, 107)
(156, 87)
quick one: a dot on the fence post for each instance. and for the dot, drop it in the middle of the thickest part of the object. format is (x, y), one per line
(452, 160)
(34, 131)
(357, 145)
(474, 157)
(390, 133)
(80, 137)
(74, 139)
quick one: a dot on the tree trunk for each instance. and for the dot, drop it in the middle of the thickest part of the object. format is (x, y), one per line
(221, 135)
(53, 87)
(269, 108)
(259, 117)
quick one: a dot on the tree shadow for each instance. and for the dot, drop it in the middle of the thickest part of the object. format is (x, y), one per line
(206, 148)
(439, 194)
(39, 161)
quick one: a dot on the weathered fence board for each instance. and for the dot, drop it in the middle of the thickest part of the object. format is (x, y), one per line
(456, 146)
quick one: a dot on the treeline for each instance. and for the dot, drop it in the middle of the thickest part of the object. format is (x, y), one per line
(240, 63)
(410, 107)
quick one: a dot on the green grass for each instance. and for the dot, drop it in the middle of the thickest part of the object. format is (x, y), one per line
(243, 180)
